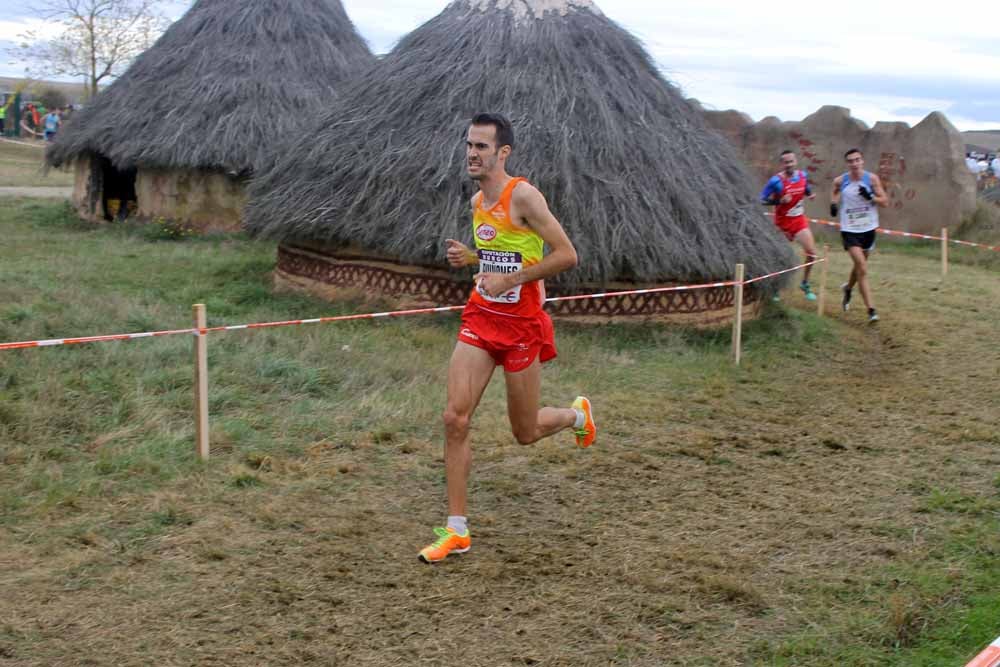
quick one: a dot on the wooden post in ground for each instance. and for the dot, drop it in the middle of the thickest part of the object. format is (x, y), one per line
(823, 269)
(738, 323)
(201, 383)
(944, 253)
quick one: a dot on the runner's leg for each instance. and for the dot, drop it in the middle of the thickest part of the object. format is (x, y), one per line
(808, 242)
(860, 273)
(469, 372)
(529, 423)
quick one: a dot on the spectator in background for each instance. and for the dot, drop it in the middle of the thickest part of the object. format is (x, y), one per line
(52, 122)
(30, 121)
(995, 166)
(972, 163)
(3, 118)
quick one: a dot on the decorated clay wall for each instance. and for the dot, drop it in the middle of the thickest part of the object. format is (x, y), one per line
(923, 167)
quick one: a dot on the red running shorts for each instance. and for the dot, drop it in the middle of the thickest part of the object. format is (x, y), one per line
(792, 226)
(513, 342)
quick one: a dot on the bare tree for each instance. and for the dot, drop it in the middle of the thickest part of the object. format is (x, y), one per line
(100, 38)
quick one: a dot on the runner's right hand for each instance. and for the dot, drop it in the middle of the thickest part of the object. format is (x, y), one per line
(834, 209)
(458, 253)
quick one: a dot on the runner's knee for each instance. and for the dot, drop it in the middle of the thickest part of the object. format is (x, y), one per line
(524, 435)
(456, 422)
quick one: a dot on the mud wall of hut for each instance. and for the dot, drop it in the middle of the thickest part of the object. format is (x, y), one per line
(208, 201)
(923, 167)
(86, 197)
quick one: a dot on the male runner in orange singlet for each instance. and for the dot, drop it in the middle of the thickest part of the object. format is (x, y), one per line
(504, 323)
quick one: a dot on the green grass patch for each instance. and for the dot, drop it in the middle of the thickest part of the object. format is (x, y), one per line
(23, 166)
(938, 610)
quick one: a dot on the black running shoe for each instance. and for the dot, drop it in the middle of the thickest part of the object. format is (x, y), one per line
(872, 315)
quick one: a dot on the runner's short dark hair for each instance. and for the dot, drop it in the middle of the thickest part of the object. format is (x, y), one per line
(854, 150)
(787, 151)
(505, 131)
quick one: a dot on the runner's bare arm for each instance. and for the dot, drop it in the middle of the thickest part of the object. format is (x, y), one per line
(460, 255)
(881, 198)
(536, 214)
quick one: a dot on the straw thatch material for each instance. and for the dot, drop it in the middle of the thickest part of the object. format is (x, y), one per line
(222, 84)
(645, 190)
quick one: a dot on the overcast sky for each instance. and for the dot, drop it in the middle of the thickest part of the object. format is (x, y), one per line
(884, 59)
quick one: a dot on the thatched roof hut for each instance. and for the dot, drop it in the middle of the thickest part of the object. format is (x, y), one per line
(645, 190)
(200, 109)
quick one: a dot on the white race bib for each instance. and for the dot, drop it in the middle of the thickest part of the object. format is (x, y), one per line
(857, 218)
(797, 210)
(500, 261)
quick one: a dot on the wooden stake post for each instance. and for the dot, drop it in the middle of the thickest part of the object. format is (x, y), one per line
(823, 268)
(944, 252)
(201, 383)
(738, 324)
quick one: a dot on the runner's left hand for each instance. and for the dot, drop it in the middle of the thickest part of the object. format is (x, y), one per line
(494, 284)
(865, 192)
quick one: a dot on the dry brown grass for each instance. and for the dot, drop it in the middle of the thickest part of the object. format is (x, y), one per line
(719, 508)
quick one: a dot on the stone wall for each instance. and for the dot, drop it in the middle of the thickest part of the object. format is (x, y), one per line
(923, 167)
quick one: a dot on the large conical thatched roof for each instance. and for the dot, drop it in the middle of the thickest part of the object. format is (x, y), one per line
(644, 189)
(224, 82)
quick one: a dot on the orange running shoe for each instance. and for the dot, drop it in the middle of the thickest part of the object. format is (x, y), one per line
(448, 542)
(585, 436)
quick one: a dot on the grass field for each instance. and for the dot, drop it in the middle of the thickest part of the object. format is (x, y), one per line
(835, 502)
(21, 166)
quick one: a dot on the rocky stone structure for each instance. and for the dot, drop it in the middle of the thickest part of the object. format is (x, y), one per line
(923, 167)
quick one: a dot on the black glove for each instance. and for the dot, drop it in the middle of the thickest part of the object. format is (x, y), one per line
(834, 210)
(865, 192)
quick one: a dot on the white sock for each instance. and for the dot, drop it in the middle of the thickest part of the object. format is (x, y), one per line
(459, 524)
(581, 418)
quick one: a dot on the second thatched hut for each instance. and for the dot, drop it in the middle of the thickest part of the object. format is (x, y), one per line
(178, 134)
(645, 190)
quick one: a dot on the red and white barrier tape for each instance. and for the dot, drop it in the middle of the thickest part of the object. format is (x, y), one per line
(914, 235)
(988, 658)
(781, 273)
(342, 318)
(92, 339)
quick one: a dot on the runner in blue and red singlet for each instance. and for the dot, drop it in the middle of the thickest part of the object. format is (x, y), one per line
(787, 191)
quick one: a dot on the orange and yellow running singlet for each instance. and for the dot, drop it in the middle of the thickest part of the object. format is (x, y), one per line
(503, 246)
